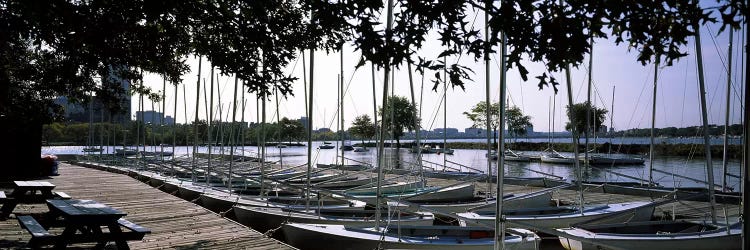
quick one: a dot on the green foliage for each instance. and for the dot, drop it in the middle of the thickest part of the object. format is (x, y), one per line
(478, 115)
(517, 121)
(292, 129)
(363, 127)
(577, 114)
(398, 115)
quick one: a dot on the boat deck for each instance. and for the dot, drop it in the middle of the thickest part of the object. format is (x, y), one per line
(594, 195)
(175, 223)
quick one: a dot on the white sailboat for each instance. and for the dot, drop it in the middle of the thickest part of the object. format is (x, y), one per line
(678, 234)
(396, 236)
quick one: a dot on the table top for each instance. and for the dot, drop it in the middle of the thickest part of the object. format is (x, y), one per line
(84, 208)
(34, 184)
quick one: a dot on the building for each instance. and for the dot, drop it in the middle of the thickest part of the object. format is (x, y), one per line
(94, 109)
(475, 132)
(304, 121)
(151, 117)
(448, 131)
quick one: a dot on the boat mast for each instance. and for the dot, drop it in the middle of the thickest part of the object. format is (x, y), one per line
(653, 124)
(379, 191)
(309, 127)
(262, 141)
(375, 106)
(704, 115)
(417, 123)
(725, 160)
(488, 114)
(588, 102)
(341, 104)
(231, 133)
(338, 119)
(164, 111)
(210, 119)
(174, 124)
(499, 218)
(278, 124)
(445, 113)
(745, 149)
(195, 123)
(611, 119)
(579, 175)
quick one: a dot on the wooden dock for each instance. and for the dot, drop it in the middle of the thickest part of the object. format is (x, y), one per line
(175, 223)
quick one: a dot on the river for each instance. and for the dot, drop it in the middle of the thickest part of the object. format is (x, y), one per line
(475, 159)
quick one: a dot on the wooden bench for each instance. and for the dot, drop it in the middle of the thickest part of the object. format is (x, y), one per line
(62, 195)
(39, 235)
(136, 232)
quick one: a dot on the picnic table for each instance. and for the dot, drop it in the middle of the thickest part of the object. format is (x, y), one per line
(28, 192)
(82, 221)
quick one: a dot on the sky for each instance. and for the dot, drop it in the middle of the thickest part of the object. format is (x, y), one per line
(614, 66)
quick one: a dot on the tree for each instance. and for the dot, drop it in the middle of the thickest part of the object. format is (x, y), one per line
(362, 127)
(62, 47)
(398, 116)
(291, 129)
(517, 121)
(577, 113)
(478, 115)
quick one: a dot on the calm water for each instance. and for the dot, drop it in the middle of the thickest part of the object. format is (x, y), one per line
(475, 159)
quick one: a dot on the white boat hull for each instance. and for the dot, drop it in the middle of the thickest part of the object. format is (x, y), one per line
(264, 219)
(308, 236)
(636, 211)
(714, 239)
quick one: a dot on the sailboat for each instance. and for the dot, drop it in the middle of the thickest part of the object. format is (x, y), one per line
(552, 156)
(564, 216)
(393, 235)
(678, 234)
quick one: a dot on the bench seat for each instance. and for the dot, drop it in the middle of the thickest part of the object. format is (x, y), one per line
(62, 195)
(39, 235)
(133, 227)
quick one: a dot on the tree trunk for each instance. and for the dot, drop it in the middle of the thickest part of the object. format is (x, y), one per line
(398, 143)
(23, 157)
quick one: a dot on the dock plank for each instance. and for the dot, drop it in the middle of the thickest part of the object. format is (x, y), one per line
(175, 223)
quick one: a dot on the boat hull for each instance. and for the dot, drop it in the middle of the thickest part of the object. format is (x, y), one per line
(713, 239)
(264, 219)
(305, 236)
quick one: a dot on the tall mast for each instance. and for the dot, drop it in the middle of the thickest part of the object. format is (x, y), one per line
(262, 142)
(341, 104)
(745, 148)
(309, 128)
(417, 124)
(704, 115)
(338, 120)
(195, 123)
(445, 113)
(231, 133)
(611, 119)
(588, 101)
(499, 218)
(278, 124)
(653, 124)
(174, 124)
(163, 111)
(488, 106)
(210, 120)
(579, 175)
(725, 160)
(387, 67)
